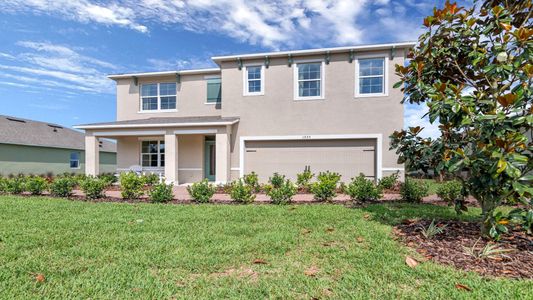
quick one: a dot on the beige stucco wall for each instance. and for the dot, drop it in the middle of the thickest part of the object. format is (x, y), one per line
(277, 113)
(190, 100)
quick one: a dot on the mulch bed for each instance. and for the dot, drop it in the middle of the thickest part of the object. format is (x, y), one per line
(447, 248)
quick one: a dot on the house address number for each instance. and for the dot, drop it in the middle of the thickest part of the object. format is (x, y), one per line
(306, 137)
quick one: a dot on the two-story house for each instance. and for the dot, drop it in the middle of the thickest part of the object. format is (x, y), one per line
(329, 109)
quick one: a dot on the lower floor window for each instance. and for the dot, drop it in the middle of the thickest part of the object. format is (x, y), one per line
(153, 154)
(74, 160)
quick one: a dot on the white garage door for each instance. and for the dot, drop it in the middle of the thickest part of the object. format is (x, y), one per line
(349, 157)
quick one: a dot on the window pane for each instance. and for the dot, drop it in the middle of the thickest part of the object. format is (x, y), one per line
(168, 102)
(149, 103)
(74, 164)
(167, 89)
(254, 72)
(152, 147)
(214, 90)
(74, 155)
(149, 89)
(162, 147)
(309, 88)
(309, 71)
(162, 160)
(153, 160)
(371, 85)
(144, 147)
(254, 86)
(369, 67)
(145, 160)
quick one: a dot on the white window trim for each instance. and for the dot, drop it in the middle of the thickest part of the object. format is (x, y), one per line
(158, 110)
(71, 160)
(158, 140)
(385, 76)
(322, 80)
(245, 90)
(206, 77)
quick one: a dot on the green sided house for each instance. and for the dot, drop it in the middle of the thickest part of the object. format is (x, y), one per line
(32, 147)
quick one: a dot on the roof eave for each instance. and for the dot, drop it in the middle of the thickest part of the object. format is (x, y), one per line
(164, 73)
(219, 59)
(154, 125)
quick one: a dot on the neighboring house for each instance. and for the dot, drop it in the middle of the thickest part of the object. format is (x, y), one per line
(32, 147)
(330, 109)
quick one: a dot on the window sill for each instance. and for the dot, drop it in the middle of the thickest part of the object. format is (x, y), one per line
(156, 111)
(212, 103)
(309, 98)
(253, 94)
(357, 96)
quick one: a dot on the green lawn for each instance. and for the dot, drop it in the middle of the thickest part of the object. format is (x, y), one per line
(149, 251)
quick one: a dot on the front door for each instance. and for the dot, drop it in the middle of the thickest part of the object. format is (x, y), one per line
(209, 160)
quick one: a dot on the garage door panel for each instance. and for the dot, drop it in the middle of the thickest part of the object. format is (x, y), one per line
(347, 157)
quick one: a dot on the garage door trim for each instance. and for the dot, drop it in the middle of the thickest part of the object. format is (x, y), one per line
(378, 137)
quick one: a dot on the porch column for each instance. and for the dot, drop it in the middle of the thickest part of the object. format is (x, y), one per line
(92, 155)
(222, 157)
(171, 158)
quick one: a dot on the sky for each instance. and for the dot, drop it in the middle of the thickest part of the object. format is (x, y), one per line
(55, 55)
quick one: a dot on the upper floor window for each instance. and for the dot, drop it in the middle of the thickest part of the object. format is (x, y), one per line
(74, 160)
(309, 80)
(214, 90)
(153, 154)
(253, 80)
(370, 77)
(158, 96)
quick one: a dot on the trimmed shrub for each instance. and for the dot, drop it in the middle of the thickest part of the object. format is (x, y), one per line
(108, 178)
(202, 191)
(277, 180)
(389, 182)
(131, 185)
(14, 185)
(303, 180)
(363, 189)
(3, 184)
(150, 179)
(325, 189)
(93, 187)
(62, 187)
(241, 192)
(36, 185)
(252, 180)
(413, 191)
(161, 193)
(282, 194)
(450, 191)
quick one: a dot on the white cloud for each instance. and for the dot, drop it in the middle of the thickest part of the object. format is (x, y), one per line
(273, 24)
(80, 10)
(43, 64)
(414, 116)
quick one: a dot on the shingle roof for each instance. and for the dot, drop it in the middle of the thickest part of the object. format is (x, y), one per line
(164, 122)
(20, 131)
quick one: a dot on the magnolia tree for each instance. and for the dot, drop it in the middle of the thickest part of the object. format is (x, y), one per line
(473, 69)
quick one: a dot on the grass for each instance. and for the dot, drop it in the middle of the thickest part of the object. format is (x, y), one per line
(124, 251)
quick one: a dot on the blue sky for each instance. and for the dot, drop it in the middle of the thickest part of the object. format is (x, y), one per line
(54, 55)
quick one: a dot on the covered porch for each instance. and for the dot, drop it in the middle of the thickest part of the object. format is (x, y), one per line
(182, 149)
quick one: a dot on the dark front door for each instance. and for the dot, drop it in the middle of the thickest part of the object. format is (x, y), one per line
(209, 160)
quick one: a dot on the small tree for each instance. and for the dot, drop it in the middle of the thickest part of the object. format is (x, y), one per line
(473, 70)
